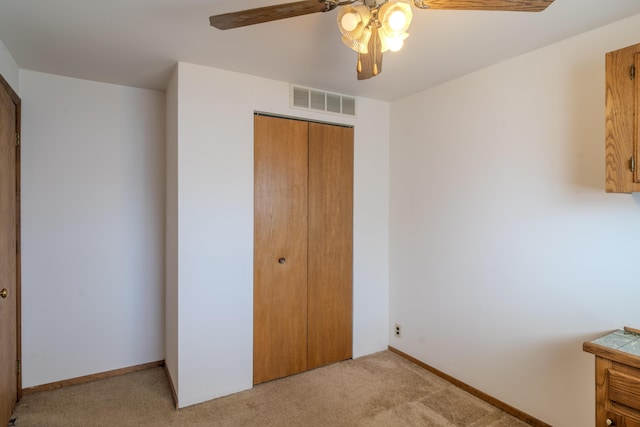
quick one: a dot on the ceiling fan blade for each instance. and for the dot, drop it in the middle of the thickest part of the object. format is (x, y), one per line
(370, 64)
(266, 14)
(506, 5)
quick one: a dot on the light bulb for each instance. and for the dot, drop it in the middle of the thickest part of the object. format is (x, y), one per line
(397, 20)
(395, 44)
(350, 21)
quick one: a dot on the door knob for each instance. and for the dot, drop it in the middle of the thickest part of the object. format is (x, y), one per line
(282, 260)
(610, 422)
(4, 293)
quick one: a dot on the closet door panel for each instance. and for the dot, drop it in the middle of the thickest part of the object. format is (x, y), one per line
(330, 271)
(280, 247)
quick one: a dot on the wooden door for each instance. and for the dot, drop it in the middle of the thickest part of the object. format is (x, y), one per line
(303, 251)
(636, 140)
(280, 248)
(330, 276)
(8, 254)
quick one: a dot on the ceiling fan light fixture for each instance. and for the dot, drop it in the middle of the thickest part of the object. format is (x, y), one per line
(352, 20)
(361, 44)
(396, 14)
(395, 18)
(393, 44)
(372, 26)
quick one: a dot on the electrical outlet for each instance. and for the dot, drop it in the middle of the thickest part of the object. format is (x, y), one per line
(397, 331)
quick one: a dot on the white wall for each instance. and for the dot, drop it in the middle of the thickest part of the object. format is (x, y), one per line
(92, 227)
(215, 225)
(8, 68)
(505, 252)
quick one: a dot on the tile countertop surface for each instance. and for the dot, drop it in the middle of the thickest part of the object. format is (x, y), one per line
(620, 340)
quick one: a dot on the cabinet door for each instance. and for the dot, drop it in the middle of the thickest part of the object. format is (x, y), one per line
(280, 247)
(621, 121)
(617, 420)
(330, 280)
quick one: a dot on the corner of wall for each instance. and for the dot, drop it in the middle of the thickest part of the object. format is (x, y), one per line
(9, 68)
(171, 234)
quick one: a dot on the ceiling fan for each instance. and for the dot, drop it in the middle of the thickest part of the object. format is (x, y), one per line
(370, 27)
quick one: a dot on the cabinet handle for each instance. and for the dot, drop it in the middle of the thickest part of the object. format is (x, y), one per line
(282, 260)
(610, 422)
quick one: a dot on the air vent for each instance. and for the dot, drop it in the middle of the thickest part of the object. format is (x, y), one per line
(321, 101)
(300, 97)
(318, 100)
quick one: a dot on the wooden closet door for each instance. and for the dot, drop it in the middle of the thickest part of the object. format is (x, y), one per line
(280, 248)
(8, 258)
(330, 279)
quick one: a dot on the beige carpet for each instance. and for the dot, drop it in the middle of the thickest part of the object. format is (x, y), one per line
(382, 390)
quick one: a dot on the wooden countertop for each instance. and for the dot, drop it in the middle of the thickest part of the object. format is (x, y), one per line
(622, 346)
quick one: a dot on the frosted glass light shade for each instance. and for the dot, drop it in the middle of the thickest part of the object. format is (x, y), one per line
(395, 17)
(361, 44)
(350, 21)
(397, 20)
(395, 44)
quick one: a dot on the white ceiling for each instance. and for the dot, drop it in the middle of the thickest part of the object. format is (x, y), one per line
(137, 42)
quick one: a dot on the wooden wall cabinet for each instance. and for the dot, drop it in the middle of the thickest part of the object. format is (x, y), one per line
(622, 120)
(617, 379)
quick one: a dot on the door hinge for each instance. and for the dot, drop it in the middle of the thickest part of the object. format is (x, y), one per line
(632, 163)
(18, 367)
(17, 139)
(632, 72)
